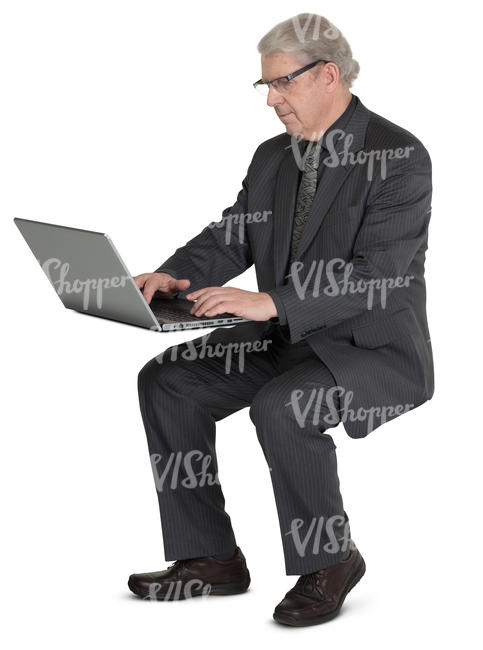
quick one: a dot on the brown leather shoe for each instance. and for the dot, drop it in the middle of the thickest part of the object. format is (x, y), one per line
(194, 577)
(317, 597)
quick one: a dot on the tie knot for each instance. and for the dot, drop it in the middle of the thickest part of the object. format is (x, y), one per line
(312, 154)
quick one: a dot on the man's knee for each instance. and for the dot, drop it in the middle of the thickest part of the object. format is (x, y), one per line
(155, 372)
(267, 407)
(276, 409)
(145, 375)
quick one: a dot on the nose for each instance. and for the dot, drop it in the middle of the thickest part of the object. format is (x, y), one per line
(274, 98)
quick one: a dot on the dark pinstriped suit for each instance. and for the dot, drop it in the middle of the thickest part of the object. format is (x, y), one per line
(370, 352)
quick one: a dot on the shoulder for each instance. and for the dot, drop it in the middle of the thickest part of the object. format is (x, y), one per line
(382, 134)
(273, 147)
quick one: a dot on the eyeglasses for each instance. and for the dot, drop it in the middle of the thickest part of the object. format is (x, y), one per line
(283, 84)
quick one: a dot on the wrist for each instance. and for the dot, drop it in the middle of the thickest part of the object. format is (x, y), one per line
(273, 307)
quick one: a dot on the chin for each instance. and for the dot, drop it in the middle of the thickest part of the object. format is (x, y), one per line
(293, 128)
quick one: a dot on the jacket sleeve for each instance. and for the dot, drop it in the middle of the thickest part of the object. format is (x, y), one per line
(393, 228)
(171, 272)
(281, 314)
(220, 252)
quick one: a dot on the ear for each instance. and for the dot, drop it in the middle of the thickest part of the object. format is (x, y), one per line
(331, 75)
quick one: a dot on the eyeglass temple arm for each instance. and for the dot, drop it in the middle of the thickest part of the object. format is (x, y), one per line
(289, 76)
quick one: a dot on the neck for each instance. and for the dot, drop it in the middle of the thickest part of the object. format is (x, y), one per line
(337, 106)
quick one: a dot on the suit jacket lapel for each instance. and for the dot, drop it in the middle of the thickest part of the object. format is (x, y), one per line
(330, 183)
(284, 206)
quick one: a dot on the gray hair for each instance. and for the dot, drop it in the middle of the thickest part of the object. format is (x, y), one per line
(311, 37)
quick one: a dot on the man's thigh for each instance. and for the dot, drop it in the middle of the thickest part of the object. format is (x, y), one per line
(222, 377)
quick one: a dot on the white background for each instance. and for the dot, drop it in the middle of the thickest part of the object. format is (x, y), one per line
(121, 117)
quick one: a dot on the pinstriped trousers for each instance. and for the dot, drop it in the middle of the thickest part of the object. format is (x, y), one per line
(181, 398)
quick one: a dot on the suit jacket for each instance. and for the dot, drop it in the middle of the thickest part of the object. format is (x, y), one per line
(358, 296)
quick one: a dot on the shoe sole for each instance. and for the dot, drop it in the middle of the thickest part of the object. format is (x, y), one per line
(286, 619)
(216, 590)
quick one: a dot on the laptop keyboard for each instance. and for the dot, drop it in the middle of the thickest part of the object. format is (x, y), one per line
(172, 315)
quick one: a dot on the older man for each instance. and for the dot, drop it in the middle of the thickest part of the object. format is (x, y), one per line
(334, 215)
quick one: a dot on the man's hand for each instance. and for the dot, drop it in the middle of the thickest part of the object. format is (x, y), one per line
(168, 286)
(211, 301)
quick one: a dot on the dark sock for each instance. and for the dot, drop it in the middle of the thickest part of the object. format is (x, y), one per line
(224, 556)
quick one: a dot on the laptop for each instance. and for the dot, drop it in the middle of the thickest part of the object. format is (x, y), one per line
(90, 277)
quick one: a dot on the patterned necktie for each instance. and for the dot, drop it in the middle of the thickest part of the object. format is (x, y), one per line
(306, 193)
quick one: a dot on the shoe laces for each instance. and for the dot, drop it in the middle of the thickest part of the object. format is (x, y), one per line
(308, 583)
(178, 564)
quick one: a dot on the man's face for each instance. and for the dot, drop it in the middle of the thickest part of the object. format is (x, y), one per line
(301, 105)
